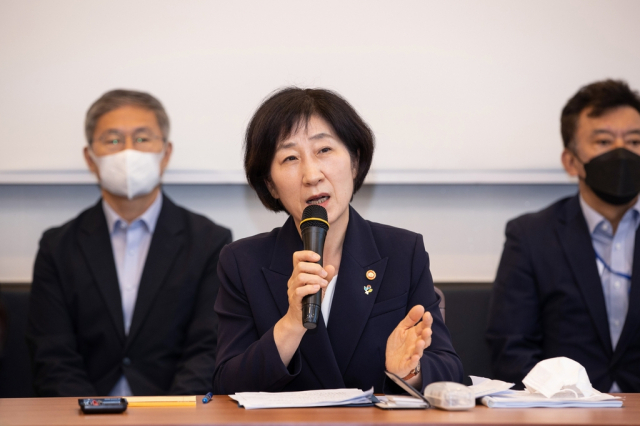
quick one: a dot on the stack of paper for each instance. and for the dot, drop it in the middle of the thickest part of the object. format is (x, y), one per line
(315, 398)
(484, 387)
(526, 399)
(400, 401)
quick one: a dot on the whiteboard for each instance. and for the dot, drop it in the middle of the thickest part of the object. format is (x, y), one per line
(455, 91)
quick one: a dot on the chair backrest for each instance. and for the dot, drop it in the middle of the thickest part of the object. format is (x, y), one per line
(3, 326)
(467, 315)
(441, 304)
(16, 379)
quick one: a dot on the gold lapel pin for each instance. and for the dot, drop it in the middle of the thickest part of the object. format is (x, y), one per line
(371, 275)
(367, 289)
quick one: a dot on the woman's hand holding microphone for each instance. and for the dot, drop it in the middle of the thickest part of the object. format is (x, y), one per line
(308, 277)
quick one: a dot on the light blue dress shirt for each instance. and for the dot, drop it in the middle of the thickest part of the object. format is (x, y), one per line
(615, 263)
(130, 243)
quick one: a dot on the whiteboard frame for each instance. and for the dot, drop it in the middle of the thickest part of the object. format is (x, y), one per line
(377, 177)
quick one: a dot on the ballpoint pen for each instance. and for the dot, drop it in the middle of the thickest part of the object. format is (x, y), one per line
(207, 397)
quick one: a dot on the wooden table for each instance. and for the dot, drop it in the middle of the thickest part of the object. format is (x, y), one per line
(222, 410)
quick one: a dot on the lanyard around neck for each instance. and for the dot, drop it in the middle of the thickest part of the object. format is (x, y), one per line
(608, 268)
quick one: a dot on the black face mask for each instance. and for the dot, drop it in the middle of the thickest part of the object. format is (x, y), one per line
(614, 176)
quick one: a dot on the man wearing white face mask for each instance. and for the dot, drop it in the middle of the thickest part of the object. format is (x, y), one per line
(122, 296)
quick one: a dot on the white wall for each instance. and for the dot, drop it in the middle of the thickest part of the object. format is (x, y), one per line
(463, 225)
(460, 87)
(458, 92)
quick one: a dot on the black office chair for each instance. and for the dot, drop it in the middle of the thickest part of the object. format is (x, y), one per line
(441, 304)
(3, 327)
(467, 322)
(16, 378)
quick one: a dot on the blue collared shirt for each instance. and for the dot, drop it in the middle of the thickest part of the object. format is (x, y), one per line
(130, 243)
(615, 261)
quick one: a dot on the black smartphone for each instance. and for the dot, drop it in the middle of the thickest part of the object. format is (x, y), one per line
(102, 405)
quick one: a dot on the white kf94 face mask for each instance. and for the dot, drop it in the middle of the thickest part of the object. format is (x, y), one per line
(129, 173)
(559, 376)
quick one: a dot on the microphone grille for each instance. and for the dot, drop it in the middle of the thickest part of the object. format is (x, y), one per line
(314, 215)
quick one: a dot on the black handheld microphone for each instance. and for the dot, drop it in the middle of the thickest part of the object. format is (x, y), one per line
(313, 227)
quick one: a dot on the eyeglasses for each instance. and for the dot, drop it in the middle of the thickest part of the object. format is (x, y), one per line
(143, 140)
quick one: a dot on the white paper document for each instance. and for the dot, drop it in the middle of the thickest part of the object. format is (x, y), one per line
(483, 386)
(526, 399)
(314, 398)
(401, 401)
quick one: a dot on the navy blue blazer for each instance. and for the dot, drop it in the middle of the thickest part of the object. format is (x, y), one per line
(548, 301)
(350, 352)
(76, 330)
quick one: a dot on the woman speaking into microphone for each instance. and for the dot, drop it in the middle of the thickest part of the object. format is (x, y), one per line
(379, 311)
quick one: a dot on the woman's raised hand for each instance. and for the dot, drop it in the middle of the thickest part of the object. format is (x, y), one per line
(407, 342)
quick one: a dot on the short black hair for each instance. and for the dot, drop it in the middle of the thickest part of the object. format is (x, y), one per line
(281, 114)
(601, 97)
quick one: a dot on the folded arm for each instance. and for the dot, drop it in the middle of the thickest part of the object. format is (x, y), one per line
(197, 363)
(59, 369)
(246, 361)
(514, 331)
